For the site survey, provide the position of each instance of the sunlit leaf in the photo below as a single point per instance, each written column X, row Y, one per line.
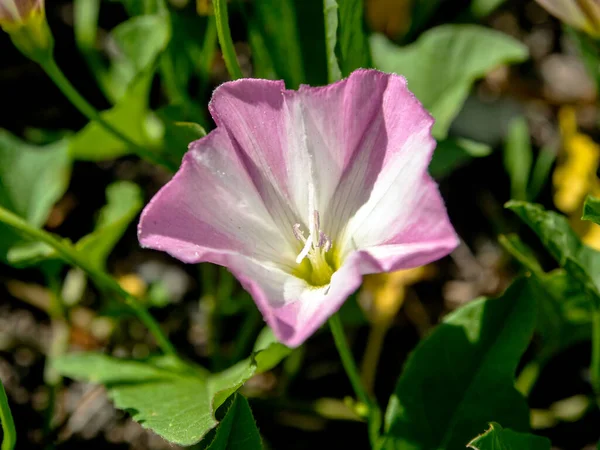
column 330, row 12
column 95, row 143
column 178, row 402
column 138, row 41
column 462, row 53
column 461, row 376
column 352, row 43
column 498, row 438
column 581, row 262
column 32, row 179
column 124, row 201
column 591, row 210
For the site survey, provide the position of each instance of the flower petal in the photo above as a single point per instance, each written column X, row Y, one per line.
column 386, row 196
column 249, row 111
column 291, row 307
column 211, row 205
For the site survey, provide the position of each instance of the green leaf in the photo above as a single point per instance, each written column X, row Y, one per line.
column 523, row 254
column 581, row 262
column 591, row 209
column 462, row 376
column 541, row 170
column 451, row 153
column 177, row 402
column 483, row 8
column 463, row 53
column 330, row 12
column 32, row 179
column 9, row 439
column 275, row 26
column 518, row 157
column 237, row 430
column 174, row 404
column 564, row 313
column 95, row 143
column 352, row 43
column 124, row 201
column 498, row 438
column 563, row 309
column 177, row 133
column 85, row 23
column 139, row 41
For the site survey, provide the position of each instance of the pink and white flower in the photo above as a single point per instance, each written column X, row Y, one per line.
column 301, row 193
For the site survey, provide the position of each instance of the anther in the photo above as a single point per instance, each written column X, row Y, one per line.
column 298, row 232
column 324, row 242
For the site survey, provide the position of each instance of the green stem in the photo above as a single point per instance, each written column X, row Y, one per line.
column 225, row 41
column 330, row 13
column 207, row 53
column 63, row 83
column 374, row 415
column 595, row 365
column 102, row 279
column 8, row 424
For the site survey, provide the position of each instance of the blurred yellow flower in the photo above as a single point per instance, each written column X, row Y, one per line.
column 382, row 294
column 133, row 284
column 581, row 14
column 381, row 297
column 575, row 176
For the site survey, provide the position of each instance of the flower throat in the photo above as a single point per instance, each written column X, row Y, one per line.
column 316, row 245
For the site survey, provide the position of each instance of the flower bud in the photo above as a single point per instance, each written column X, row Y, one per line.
column 581, row 14
column 25, row 22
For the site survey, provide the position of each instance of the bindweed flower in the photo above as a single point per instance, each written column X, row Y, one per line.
column 301, row 193
column 25, row 22
column 581, row 14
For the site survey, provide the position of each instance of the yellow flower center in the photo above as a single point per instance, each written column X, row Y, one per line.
column 318, row 272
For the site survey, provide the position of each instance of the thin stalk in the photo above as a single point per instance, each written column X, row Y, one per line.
column 595, row 365
column 207, row 53
column 225, row 41
column 368, row 367
column 374, row 415
column 63, row 83
column 102, row 279
column 8, row 424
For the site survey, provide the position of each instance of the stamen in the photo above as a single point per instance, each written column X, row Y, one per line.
column 316, row 240
column 324, row 242
column 305, row 251
column 298, row 233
